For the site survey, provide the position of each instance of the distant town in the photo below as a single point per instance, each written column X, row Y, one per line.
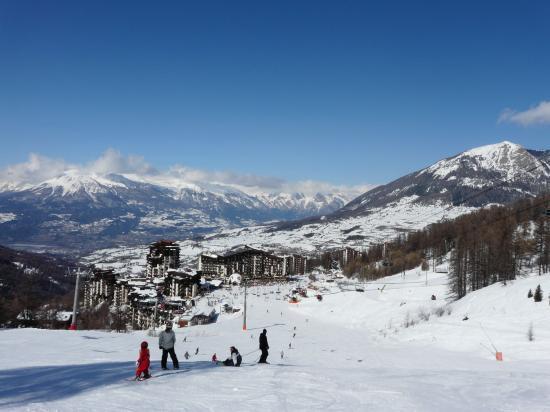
column 166, row 291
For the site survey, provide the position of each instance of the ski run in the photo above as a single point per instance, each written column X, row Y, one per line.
column 389, row 347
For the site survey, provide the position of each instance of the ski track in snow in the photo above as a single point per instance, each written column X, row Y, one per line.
column 351, row 352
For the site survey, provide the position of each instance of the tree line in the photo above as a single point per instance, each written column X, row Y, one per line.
column 493, row 244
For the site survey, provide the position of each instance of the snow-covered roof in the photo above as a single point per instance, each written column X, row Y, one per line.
column 145, row 292
column 137, row 283
column 63, row 316
column 235, row 278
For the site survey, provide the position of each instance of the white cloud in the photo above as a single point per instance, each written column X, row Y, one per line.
column 39, row 168
column 112, row 161
column 311, row 187
column 191, row 175
column 36, row 169
column 539, row 114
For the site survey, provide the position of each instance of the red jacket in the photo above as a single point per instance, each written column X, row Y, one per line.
column 143, row 361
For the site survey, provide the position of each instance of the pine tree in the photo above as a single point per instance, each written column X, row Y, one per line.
column 538, row 294
column 530, row 294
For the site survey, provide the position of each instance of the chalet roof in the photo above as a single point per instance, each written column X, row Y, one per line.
column 165, row 244
column 150, row 292
column 176, row 272
column 103, row 273
column 210, row 255
column 242, row 249
column 137, row 283
column 215, row 282
column 174, row 299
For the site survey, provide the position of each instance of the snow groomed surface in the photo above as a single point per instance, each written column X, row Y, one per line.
column 352, row 351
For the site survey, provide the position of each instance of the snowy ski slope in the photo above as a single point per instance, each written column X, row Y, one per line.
column 351, row 352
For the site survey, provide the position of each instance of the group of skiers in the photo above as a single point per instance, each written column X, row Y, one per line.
column 167, row 340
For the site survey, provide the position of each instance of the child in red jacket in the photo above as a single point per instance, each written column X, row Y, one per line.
column 143, row 362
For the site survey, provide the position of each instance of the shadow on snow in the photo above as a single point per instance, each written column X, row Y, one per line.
column 51, row 383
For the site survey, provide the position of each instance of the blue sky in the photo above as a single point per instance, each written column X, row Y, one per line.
column 344, row 92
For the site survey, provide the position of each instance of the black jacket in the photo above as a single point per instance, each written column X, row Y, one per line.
column 263, row 342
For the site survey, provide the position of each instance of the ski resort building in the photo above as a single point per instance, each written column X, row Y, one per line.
column 212, row 265
column 100, row 287
column 182, row 284
column 163, row 256
column 346, row 255
column 294, row 265
column 250, row 263
column 148, row 300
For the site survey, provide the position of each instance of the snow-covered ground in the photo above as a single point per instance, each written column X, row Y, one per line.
column 380, row 225
column 351, row 351
column 7, row 217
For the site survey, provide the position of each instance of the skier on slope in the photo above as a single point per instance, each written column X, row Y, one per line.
column 264, row 346
column 143, row 362
column 167, row 340
column 235, row 358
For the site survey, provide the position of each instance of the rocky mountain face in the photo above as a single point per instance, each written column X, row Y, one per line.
column 86, row 211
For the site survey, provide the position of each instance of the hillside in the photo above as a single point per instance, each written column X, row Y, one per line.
column 442, row 363
column 29, row 280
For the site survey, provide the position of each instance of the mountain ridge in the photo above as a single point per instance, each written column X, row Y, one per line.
column 91, row 210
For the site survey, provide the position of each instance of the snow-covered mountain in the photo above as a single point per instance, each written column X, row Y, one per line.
column 90, row 210
column 515, row 171
column 493, row 174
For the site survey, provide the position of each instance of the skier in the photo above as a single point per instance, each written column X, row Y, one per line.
column 235, row 359
column 143, row 362
column 167, row 340
column 264, row 346
column 282, row 354
column 197, row 351
column 214, row 358
column 186, row 356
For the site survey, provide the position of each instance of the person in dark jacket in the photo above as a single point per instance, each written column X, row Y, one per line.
column 264, row 346
column 235, row 359
column 167, row 340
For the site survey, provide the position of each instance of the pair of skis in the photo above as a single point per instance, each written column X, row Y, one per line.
column 136, row 379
